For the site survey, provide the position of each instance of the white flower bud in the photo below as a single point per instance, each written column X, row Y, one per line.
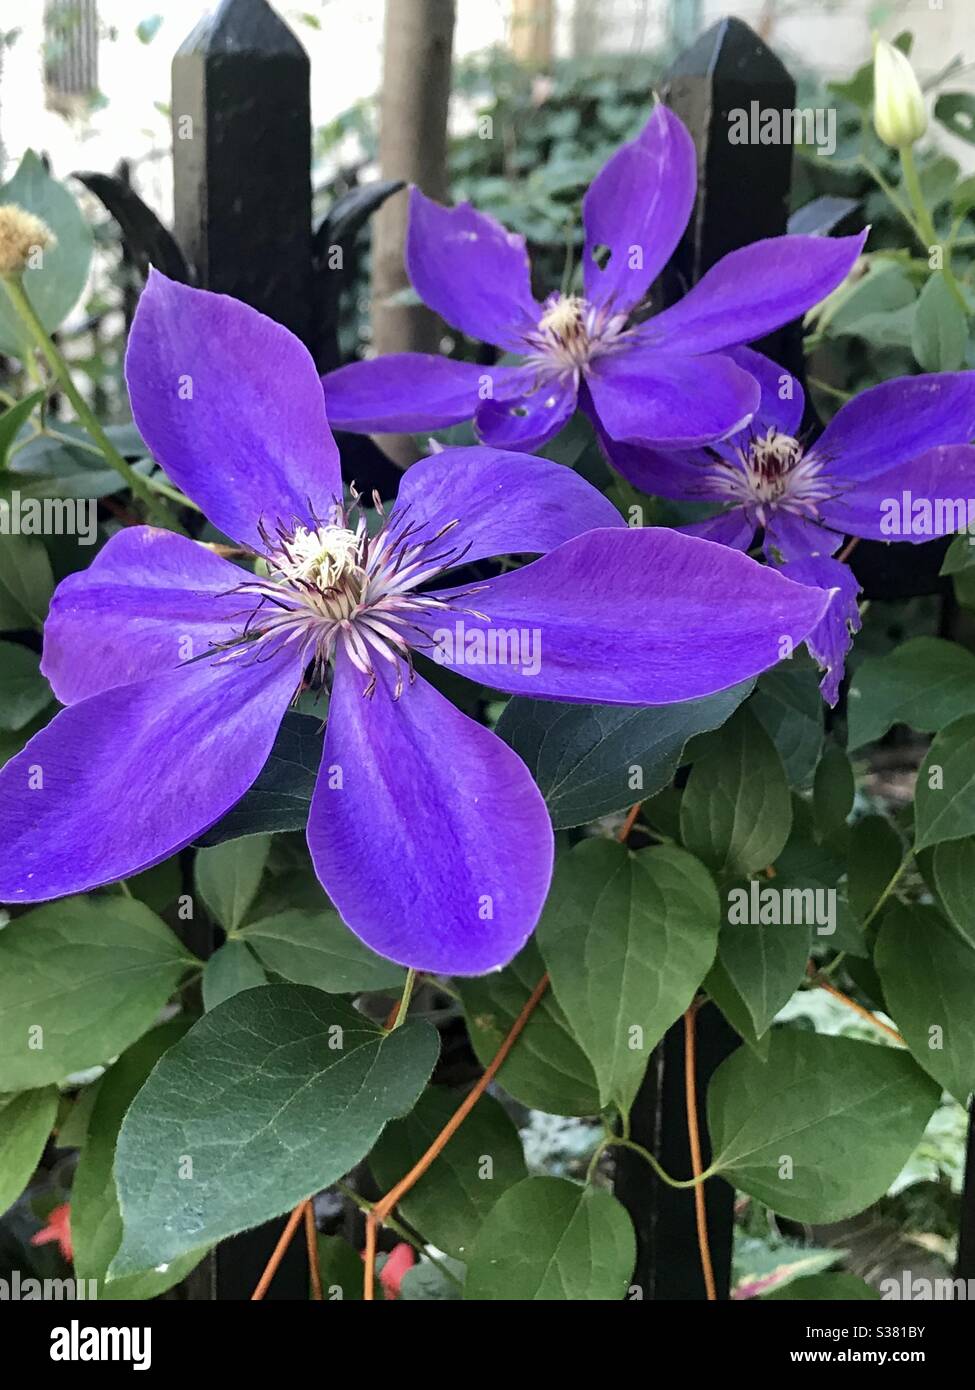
column 899, row 116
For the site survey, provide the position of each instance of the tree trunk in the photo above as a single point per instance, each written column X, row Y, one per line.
column 412, row 146
column 532, row 29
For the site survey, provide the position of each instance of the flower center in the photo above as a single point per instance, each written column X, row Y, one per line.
column 773, row 470
column 769, row 463
column 572, row 332
column 334, row 585
column 329, row 560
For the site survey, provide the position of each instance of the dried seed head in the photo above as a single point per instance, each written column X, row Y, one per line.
column 22, row 237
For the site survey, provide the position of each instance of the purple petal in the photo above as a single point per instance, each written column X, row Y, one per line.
column 637, row 207
column 503, row 503
column 931, row 495
column 795, row 537
column 830, row 639
column 894, row 422
column 123, row 780
column 753, row 290
column 149, row 601
column 682, row 475
column 408, row 392
column 528, row 413
column 783, row 399
column 427, row 831
column 643, row 617
column 231, row 405
column 646, row 396
column 472, row 271
column 734, row 528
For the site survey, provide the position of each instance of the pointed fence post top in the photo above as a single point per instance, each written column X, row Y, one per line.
column 242, row 140
column 243, row 26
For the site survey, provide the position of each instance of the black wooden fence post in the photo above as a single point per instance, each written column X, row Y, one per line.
column 242, row 160
column 743, row 196
column 241, row 118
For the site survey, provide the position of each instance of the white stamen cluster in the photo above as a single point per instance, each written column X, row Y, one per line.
column 334, row 585
column 572, row 333
column 774, row 470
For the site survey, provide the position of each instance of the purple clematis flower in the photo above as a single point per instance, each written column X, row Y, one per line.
column 665, row 380
column 177, row 666
column 893, row 464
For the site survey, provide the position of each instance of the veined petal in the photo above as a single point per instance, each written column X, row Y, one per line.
column 123, row 780
column 637, row 208
column 409, row 392
column 503, row 503
column 527, row 412
column 681, row 474
column 931, row 495
column 149, row 601
column 427, row 831
column 650, row 397
column 831, row 638
column 472, row 271
column 753, row 290
column 892, row 423
column 629, row 617
column 733, row 528
column 231, row 405
column 782, row 400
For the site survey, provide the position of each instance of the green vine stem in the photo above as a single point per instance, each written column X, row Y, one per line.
column 27, row 314
column 925, row 225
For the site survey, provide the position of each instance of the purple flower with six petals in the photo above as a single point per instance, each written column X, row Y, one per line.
column 177, row 666
column 905, row 440
column 665, row 380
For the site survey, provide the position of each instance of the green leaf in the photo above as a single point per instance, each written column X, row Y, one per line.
column 54, row 287
column 736, row 812
column 763, row 964
column 789, row 707
column 944, row 797
column 875, row 852
column 96, row 1222
column 52, row 466
column 591, row 760
column 549, row 1239
column 23, row 690
column 280, row 798
column 274, row 1095
column 928, row 978
column 956, row 111
column 836, row 1286
column 883, row 292
column 80, row 979
column 228, row 876
column 229, row 970
column 627, row 939
column 820, row 1130
column 547, row 1070
column 317, row 948
column 14, row 417
column 26, row 582
column 954, row 874
column 926, row 683
column 833, row 792
column 26, row 1120
column 341, row 1269
column 940, row 334
column 483, row 1159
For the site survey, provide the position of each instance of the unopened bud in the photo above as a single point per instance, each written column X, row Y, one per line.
column 899, row 116
column 23, row 237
